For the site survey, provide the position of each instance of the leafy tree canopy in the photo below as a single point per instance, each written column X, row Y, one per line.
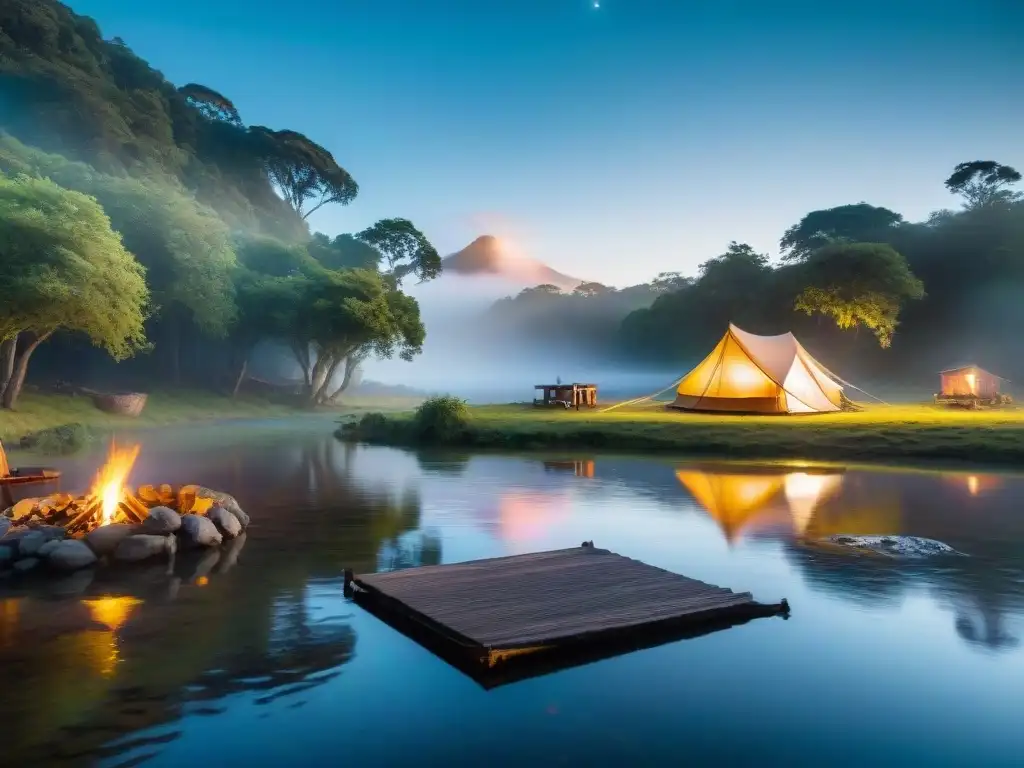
column 983, row 182
column 859, row 284
column 847, row 223
column 62, row 267
column 303, row 171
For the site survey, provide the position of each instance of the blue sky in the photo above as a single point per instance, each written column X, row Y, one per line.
column 618, row 142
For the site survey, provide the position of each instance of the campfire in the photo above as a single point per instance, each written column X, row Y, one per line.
column 111, row 501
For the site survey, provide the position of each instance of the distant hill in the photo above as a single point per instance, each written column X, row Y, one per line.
column 487, row 256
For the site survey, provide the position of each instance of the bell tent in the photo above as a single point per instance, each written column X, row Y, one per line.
column 759, row 374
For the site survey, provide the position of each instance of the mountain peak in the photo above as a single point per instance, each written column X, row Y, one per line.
column 488, row 255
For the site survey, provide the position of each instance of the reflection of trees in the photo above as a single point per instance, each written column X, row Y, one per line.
column 870, row 582
column 189, row 636
column 410, row 551
column 981, row 589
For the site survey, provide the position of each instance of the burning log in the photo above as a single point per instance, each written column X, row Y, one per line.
column 80, row 522
column 133, row 509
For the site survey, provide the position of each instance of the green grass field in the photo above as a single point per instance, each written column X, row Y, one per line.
column 876, row 434
column 37, row 412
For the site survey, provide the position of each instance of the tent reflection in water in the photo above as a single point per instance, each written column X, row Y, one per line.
column 741, row 499
column 759, row 374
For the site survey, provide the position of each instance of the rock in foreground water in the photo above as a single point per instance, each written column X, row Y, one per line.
column 104, row 540
column 142, row 546
column 198, row 531
column 227, row 523
column 71, row 555
column 162, row 520
column 904, row 547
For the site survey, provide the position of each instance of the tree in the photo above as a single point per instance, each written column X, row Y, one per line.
column 266, row 310
column 211, row 105
column 858, row 284
column 668, row 282
column 847, row 223
column 187, row 252
column 342, row 317
column 589, row 290
column 983, row 182
column 62, row 267
column 739, row 269
column 404, row 249
column 303, row 171
column 344, row 252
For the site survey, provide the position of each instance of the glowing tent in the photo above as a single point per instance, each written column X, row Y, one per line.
column 758, row 374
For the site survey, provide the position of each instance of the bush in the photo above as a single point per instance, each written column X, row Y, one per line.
column 441, row 419
column 67, row 438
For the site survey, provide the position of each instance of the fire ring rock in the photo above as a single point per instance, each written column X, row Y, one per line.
column 221, row 499
column 199, row 531
column 142, row 546
column 227, row 523
column 104, row 540
column 48, row 547
column 26, row 564
column 70, row 555
column 31, row 543
column 161, row 520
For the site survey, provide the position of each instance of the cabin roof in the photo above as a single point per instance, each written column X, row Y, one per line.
column 971, row 366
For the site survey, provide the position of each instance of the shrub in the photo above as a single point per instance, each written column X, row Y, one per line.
column 441, row 419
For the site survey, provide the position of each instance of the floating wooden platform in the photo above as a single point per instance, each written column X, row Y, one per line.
column 558, row 609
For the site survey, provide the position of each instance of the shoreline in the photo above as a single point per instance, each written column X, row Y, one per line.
column 903, row 434
column 40, row 413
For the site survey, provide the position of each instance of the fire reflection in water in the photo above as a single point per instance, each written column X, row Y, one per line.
column 112, row 613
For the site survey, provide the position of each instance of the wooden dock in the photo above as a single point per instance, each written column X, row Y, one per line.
column 569, row 606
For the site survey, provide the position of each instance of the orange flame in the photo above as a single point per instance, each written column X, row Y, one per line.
column 110, row 480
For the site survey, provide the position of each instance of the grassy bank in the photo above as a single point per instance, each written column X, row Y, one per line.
column 38, row 412
column 877, row 434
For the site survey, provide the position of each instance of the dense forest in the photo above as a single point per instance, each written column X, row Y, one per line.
column 868, row 291
column 147, row 223
column 150, row 222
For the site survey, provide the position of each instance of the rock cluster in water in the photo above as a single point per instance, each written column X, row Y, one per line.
column 908, row 547
column 37, row 547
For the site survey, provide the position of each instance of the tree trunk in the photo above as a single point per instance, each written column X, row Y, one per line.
column 352, row 362
column 320, row 397
column 241, row 376
column 14, row 386
column 8, row 348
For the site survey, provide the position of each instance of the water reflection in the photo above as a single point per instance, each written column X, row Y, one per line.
column 101, row 656
column 742, row 500
column 124, row 668
column 799, row 507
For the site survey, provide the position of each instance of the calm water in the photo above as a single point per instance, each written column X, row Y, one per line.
column 259, row 660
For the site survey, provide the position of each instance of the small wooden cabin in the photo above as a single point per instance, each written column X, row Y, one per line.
column 567, row 395
column 969, row 381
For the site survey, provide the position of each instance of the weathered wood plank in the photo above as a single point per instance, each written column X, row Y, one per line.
column 544, row 598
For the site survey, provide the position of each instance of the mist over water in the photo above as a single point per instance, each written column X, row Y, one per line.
column 467, row 354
